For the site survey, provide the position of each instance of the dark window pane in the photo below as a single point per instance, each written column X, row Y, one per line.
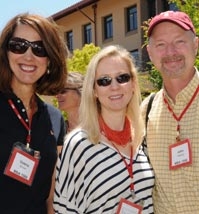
column 69, row 40
column 87, row 34
column 131, row 18
column 108, row 27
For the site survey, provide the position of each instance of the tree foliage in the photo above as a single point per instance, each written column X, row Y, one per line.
column 80, row 59
column 191, row 7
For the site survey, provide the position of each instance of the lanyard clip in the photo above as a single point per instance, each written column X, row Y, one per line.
column 178, row 133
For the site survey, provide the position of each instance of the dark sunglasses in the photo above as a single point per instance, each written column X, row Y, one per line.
column 65, row 90
column 105, row 81
column 20, row 46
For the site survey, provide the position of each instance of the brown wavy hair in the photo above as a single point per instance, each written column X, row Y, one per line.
column 57, row 53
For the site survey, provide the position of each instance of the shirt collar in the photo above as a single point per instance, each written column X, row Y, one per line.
column 188, row 91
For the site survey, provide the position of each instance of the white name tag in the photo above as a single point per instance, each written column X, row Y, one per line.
column 128, row 207
column 21, row 166
column 180, row 154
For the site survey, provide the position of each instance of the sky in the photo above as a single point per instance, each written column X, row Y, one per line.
column 10, row 8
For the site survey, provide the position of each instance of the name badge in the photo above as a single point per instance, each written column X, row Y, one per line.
column 180, row 154
column 22, row 164
column 128, row 207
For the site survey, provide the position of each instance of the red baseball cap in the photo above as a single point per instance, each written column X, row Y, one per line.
column 177, row 17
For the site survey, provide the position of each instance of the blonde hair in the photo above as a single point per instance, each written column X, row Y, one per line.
column 90, row 108
column 75, row 80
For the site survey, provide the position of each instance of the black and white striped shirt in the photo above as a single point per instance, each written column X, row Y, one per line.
column 93, row 178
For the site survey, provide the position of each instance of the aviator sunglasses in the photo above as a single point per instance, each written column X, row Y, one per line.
column 105, row 81
column 20, row 46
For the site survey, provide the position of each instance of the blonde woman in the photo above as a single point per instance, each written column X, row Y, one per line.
column 102, row 168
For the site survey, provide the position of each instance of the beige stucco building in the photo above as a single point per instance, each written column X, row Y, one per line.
column 106, row 22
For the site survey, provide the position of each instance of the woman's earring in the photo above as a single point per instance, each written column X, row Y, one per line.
column 48, row 71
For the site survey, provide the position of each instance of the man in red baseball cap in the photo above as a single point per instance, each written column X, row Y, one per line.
column 173, row 124
column 177, row 17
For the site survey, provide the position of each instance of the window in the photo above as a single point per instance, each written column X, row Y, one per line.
column 135, row 55
column 87, row 31
column 131, row 16
column 69, row 40
column 108, row 27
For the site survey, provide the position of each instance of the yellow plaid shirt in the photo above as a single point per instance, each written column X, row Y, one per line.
column 176, row 191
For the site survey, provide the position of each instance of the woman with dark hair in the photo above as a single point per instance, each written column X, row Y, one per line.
column 32, row 63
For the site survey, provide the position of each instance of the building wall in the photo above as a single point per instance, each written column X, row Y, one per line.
column 76, row 20
column 131, row 41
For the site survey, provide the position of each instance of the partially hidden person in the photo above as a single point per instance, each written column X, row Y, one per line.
column 69, row 98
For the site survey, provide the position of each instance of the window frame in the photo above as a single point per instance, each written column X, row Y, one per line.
column 108, row 27
column 87, row 33
column 69, row 40
column 131, row 18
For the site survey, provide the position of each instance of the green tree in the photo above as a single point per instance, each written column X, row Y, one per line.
column 81, row 58
column 191, row 7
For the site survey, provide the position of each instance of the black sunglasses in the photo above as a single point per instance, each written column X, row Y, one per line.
column 65, row 90
column 105, row 81
column 20, row 46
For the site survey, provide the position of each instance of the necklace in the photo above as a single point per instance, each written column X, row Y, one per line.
column 120, row 138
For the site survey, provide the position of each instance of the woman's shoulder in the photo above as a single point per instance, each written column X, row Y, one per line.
column 78, row 131
column 76, row 142
column 141, row 152
column 76, row 136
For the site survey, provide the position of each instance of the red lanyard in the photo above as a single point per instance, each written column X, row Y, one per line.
column 184, row 110
column 28, row 139
column 129, row 167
